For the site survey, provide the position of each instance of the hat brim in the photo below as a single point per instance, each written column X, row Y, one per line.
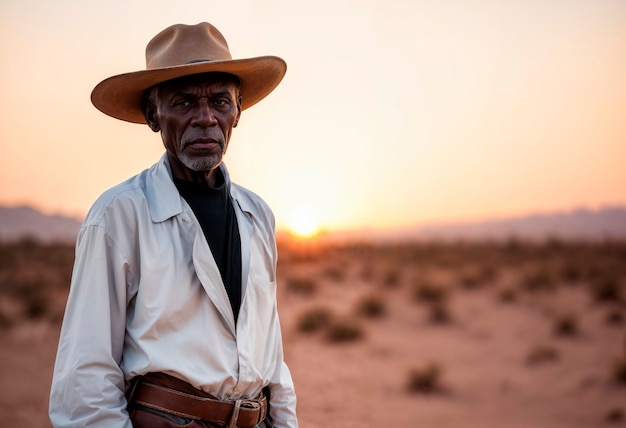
column 120, row 96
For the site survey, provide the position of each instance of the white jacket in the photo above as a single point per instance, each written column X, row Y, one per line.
column 147, row 296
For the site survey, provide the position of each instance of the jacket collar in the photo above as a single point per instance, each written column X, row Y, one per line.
column 164, row 200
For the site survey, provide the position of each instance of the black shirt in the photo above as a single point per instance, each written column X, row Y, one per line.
column 215, row 213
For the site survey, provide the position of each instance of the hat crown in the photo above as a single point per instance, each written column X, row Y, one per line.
column 186, row 44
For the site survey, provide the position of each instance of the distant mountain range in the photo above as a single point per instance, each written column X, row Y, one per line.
column 577, row 225
column 26, row 222
column 581, row 224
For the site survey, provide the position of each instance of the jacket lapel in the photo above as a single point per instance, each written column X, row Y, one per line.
column 246, row 227
column 209, row 275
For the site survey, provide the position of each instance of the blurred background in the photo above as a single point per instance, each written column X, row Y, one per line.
column 447, row 177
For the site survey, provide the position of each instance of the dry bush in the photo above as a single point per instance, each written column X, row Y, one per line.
column 614, row 316
column 391, row 278
column 571, row 271
column 614, row 415
column 567, row 325
column 539, row 279
column 314, row 319
column 31, row 275
column 470, row 280
column 7, row 257
column 477, row 276
column 425, row 380
column 335, row 272
column 619, row 367
column 542, row 354
column 428, row 292
column 619, row 370
column 301, row 286
column 31, row 295
column 607, row 288
column 344, row 330
column 507, row 295
column 5, row 321
column 439, row 313
column 606, row 267
column 371, row 306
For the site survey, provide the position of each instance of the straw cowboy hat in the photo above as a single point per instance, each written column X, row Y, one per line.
column 182, row 50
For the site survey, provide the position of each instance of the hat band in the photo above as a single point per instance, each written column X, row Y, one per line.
column 200, row 60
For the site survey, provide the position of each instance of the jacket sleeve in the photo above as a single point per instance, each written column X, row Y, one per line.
column 282, row 390
column 283, row 399
column 88, row 385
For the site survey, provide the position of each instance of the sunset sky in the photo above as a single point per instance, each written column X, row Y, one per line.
column 392, row 113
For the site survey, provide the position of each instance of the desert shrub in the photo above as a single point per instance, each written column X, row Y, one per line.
column 614, row 414
column 425, row 380
column 49, row 264
column 344, row 330
column 470, row 280
column 302, row 286
column 614, row 316
column 391, row 278
column 7, row 257
column 619, row 370
column 567, row 325
column 439, row 313
column 428, row 292
column 30, row 293
column 542, row 354
column 507, row 295
column 5, row 321
column 539, row 279
column 30, row 274
column 606, row 289
column 335, row 273
column 477, row 276
column 371, row 306
column 314, row 319
column 571, row 272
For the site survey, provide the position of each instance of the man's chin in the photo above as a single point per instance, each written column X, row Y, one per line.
column 202, row 165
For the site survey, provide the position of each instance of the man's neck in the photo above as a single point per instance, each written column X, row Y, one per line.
column 180, row 171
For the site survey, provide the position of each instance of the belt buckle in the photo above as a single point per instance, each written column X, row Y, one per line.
column 254, row 404
column 248, row 405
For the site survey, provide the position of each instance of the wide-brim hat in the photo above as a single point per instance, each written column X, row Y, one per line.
column 183, row 50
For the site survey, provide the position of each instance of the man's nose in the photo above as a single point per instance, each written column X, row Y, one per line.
column 204, row 115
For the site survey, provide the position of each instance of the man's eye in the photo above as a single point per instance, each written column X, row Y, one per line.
column 221, row 102
column 182, row 103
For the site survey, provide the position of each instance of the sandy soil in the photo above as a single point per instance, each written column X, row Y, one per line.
column 484, row 352
column 488, row 376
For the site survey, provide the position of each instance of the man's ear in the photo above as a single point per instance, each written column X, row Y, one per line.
column 238, row 112
column 150, row 113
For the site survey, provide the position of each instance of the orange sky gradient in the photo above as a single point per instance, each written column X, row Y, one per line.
column 392, row 114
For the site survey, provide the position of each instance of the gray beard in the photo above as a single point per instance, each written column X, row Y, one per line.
column 204, row 164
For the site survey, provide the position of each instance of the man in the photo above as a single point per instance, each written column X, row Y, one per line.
column 171, row 318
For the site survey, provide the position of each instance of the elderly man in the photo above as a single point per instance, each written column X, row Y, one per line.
column 171, row 319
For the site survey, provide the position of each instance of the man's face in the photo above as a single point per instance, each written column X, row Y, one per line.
column 196, row 116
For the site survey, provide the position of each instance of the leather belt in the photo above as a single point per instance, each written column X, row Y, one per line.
column 245, row 413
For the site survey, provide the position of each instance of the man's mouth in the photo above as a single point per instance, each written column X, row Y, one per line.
column 203, row 144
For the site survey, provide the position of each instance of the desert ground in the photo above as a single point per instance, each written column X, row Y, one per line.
column 504, row 335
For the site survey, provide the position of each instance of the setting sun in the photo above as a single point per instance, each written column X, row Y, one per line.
column 304, row 226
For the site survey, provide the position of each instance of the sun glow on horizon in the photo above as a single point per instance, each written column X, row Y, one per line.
column 303, row 226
